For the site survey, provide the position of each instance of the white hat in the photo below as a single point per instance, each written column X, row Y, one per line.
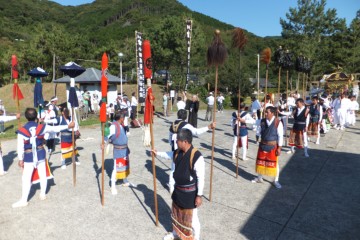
column 211, row 93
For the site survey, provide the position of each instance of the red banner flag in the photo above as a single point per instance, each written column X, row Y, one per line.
column 15, row 74
column 147, row 59
column 104, row 87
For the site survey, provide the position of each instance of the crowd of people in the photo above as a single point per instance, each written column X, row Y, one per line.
column 311, row 117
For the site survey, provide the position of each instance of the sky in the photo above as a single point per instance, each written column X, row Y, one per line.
column 261, row 17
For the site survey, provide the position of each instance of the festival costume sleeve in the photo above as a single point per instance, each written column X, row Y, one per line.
column 199, row 168
column 286, row 113
column 55, row 129
column 20, row 147
column 249, row 119
column 307, row 120
column 321, row 114
column 258, row 128
column 112, row 131
column 196, row 131
column 280, row 132
column 51, row 121
column 7, row 118
column 165, row 155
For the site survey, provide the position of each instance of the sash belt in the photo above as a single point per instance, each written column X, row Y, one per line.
column 120, row 146
column 30, row 150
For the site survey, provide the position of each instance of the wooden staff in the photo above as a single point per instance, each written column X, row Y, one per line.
column 102, row 162
column 238, row 41
column 216, row 55
column 154, row 167
column 303, row 82
column 73, row 150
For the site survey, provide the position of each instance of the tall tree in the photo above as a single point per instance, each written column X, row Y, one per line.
column 309, row 28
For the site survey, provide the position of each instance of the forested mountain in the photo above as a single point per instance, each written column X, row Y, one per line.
column 36, row 30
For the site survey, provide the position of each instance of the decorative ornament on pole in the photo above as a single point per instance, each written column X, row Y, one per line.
column 38, row 73
column 73, row 70
column 104, row 87
column 147, row 59
column 17, row 94
column 238, row 41
column 121, row 56
column 216, row 55
column 266, row 58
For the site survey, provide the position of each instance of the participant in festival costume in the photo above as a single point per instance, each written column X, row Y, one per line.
column 255, row 107
column 298, row 135
column 315, row 119
column 66, row 142
column 271, row 132
column 239, row 123
column 31, row 153
column 282, row 107
column 341, row 106
column 118, row 138
column 186, row 187
column 50, row 137
column 134, row 103
column 193, row 107
column 181, row 123
column 326, row 112
column 210, row 105
column 55, row 107
column 5, row 119
column 354, row 106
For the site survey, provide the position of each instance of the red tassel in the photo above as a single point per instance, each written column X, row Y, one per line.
column 147, row 59
column 14, row 63
column 104, row 87
column 17, row 92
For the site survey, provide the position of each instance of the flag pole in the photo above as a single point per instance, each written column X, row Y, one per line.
column 216, row 55
column 154, row 168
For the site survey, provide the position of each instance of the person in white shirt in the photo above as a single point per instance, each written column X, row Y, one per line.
column 5, row 119
column 255, row 107
column 238, row 124
column 341, row 106
column 181, row 102
column 134, row 103
column 291, row 102
column 95, row 103
column 220, row 100
column 2, row 113
column 186, row 185
column 210, row 106
column 354, row 106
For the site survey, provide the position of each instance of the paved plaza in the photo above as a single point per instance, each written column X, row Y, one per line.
column 319, row 198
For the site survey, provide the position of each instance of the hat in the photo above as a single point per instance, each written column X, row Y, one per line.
column 54, row 98
column 211, row 93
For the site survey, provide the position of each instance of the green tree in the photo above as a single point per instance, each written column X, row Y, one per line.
column 312, row 31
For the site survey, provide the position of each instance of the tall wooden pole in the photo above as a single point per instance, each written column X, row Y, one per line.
column 154, row 167
column 237, row 124
column 213, row 134
column 102, row 163
column 73, row 148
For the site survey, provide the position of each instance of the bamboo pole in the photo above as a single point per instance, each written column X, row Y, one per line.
column 154, row 167
column 213, row 134
column 102, row 162
column 237, row 124
column 73, row 150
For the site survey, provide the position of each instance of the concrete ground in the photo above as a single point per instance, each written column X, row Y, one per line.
column 319, row 198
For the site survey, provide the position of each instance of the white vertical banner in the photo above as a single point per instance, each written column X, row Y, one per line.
column 140, row 67
column 188, row 45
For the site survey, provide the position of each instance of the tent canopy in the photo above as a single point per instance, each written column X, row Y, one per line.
column 91, row 75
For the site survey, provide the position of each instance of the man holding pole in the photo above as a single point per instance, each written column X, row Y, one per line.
column 117, row 137
column 186, row 187
column 271, row 132
column 32, row 154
